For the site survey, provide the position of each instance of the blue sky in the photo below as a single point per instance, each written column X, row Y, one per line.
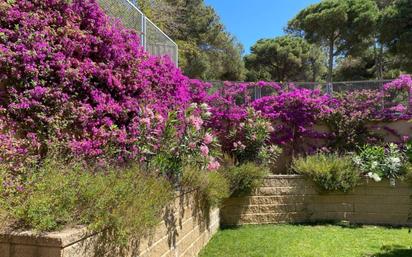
column 251, row 20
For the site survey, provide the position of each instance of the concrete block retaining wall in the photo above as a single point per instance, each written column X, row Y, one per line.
column 186, row 228
column 295, row 199
column 183, row 232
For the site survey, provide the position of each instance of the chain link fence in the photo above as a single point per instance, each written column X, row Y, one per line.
column 153, row 39
column 344, row 86
column 256, row 92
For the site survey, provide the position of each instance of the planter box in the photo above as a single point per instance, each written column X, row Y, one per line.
column 183, row 232
column 296, row 199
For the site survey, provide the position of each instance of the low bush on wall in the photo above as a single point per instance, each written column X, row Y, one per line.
column 329, row 171
column 212, row 187
column 244, row 178
column 123, row 201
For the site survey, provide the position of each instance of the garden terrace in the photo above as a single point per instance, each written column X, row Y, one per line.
column 97, row 137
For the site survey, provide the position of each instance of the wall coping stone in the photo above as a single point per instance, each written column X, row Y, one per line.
column 60, row 239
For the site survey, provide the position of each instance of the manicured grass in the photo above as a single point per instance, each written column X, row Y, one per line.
column 310, row 241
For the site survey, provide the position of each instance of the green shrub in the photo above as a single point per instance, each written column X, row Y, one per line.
column 408, row 151
column 212, row 187
column 244, row 178
column 121, row 201
column 331, row 172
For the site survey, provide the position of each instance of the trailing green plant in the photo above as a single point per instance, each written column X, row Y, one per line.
column 408, row 151
column 379, row 162
column 121, row 201
column 244, row 178
column 212, row 187
column 330, row 171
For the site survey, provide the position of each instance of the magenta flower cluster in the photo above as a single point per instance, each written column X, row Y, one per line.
column 395, row 90
column 72, row 74
column 295, row 112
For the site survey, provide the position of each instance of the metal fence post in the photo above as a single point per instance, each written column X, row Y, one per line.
column 144, row 32
column 329, row 88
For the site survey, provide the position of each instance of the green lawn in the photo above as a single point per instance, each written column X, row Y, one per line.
column 310, row 241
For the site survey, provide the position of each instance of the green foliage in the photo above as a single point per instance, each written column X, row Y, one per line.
column 126, row 203
column 206, row 50
column 396, row 31
column 408, row 151
column 212, row 187
column 331, row 172
column 244, row 178
column 285, row 58
column 268, row 155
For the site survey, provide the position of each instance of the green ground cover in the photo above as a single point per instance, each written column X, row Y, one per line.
column 310, row 241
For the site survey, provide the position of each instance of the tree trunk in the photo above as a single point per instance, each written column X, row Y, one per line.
column 331, row 50
column 380, row 71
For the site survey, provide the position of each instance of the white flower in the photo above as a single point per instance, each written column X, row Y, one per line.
column 204, row 106
column 207, row 114
column 395, row 160
column 193, row 105
column 374, row 176
column 357, row 160
column 374, row 164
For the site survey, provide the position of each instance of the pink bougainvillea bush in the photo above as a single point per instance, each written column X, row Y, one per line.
column 295, row 112
column 398, row 93
column 72, row 74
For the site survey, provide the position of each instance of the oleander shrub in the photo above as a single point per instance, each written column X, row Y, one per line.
column 243, row 179
column 251, row 140
column 379, row 162
column 121, row 200
column 330, row 171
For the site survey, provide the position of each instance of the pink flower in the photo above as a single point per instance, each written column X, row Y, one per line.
column 239, row 146
column 204, row 150
column 159, row 118
column 196, row 121
column 146, row 121
column 208, row 139
column 192, row 145
column 213, row 164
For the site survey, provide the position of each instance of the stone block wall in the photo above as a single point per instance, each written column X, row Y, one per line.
column 185, row 229
column 295, row 199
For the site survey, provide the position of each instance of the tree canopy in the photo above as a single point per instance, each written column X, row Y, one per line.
column 285, row 58
column 357, row 39
column 206, row 50
column 342, row 26
column 397, row 31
